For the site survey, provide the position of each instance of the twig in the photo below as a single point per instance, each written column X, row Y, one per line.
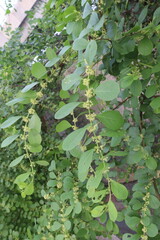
column 156, row 188
column 121, row 103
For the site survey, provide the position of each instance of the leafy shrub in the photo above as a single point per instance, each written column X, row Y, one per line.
column 71, row 142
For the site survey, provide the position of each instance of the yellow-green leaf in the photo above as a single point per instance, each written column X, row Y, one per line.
column 113, row 214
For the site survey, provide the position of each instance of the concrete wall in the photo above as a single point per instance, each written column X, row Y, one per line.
column 18, row 18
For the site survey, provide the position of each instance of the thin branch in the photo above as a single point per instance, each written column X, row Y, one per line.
column 156, row 188
column 121, row 103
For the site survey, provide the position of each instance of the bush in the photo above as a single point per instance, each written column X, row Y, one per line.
column 80, row 110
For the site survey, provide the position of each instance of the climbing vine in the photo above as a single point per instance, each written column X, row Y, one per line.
column 80, row 123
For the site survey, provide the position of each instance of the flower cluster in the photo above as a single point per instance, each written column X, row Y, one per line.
column 144, row 209
column 75, row 193
column 91, row 117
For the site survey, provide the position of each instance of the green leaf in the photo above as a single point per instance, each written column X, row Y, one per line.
column 56, row 226
column 111, row 119
column 108, row 90
column 83, row 2
column 70, row 80
column 117, row 153
column 145, row 46
column 67, row 183
column 27, row 96
column 80, row 44
column 126, row 81
column 16, row 161
column 111, row 29
column 156, row 68
column 87, row 10
column 66, row 110
column 154, row 202
column 132, row 222
column 98, row 211
column 146, row 221
column 84, row 164
column 35, row 148
column 38, row 70
column 113, row 214
column 134, row 156
column 50, row 53
column 109, row 225
column 9, row 122
column 156, row 16
column 151, row 163
column 64, row 94
column 93, row 182
column 136, row 88
column 73, row 139
column 155, row 104
column 35, row 123
column 152, row 230
column 98, row 26
column 21, row 178
column 78, row 208
column 14, row 101
column 68, row 210
column 55, row 206
column 128, row 236
column 28, row 87
column 67, row 224
column 150, row 91
column 91, row 52
column 9, row 140
column 34, row 137
column 93, row 20
column 143, row 15
column 76, row 152
column 52, row 62
column 119, row 190
column 59, row 237
column 84, row 32
column 29, row 189
column 98, row 196
column 111, row 133
column 64, row 50
column 62, row 126
column 42, row 163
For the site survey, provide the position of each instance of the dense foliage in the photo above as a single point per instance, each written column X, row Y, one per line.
column 80, row 109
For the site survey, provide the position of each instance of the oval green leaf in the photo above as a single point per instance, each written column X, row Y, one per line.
column 145, row 46
column 28, row 87
column 42, row 163
column 108, row 90
column 10, row 121
column 80, row 44
column 119, row 190
column 84, row 164
column 66, row 110
column 73, row 139
column 16, row 161
column 91, row 52
column 9, row 140
column 63, row 125
column 98, row 211
column 70, row 80
column 38, row 70
column 113, row 214
column 111, row 119
column 35, row 123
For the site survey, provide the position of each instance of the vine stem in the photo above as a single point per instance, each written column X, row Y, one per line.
column 26, row 149
column 99, row 147
column 156, row 188
column 121, row 103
